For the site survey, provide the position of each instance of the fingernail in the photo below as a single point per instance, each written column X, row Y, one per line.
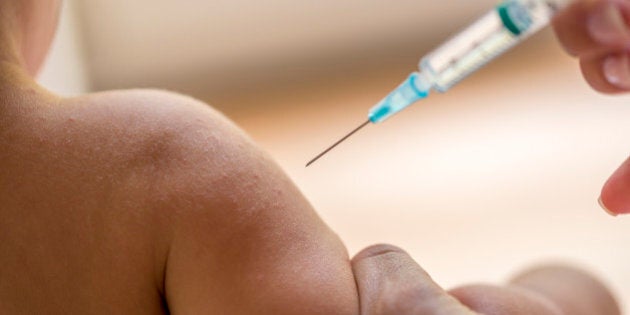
column 608, row 26
column 601, row 204
column 617, row 70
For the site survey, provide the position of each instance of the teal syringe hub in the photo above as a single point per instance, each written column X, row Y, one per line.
column 410, row 91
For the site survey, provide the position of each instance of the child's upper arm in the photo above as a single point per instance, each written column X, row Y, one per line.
column 243, row 240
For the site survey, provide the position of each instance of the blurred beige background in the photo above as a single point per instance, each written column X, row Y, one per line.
column 501, row 172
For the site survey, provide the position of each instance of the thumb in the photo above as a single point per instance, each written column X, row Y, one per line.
column 390, row 282
column 615, row 196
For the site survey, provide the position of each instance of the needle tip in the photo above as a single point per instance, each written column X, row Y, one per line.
column 337, row 143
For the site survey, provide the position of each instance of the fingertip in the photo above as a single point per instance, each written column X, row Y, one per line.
column 607, row 25
column 605, row 208
column 389, row 281
column 574, row 290
column 604, row 77
column 384, row 261
column 615, row 196
column 570, row 28
column 616, row 70
column 378, row 250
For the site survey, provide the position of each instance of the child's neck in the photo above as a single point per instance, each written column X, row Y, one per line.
column 20, row 94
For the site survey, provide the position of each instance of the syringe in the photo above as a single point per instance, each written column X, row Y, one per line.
column 508, row 24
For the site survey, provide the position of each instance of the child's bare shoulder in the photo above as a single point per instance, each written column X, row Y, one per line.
column 147, row 130
column 145, row 114
column 239, row 232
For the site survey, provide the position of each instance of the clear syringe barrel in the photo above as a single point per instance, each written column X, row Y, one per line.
column 508, row 24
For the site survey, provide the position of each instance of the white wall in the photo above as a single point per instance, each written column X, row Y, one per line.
column 65, row 71
column 219, row 42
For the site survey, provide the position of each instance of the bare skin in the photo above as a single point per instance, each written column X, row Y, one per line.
column 133, row 202
column 148, row 202
column 117, row 201
column 390, row 282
